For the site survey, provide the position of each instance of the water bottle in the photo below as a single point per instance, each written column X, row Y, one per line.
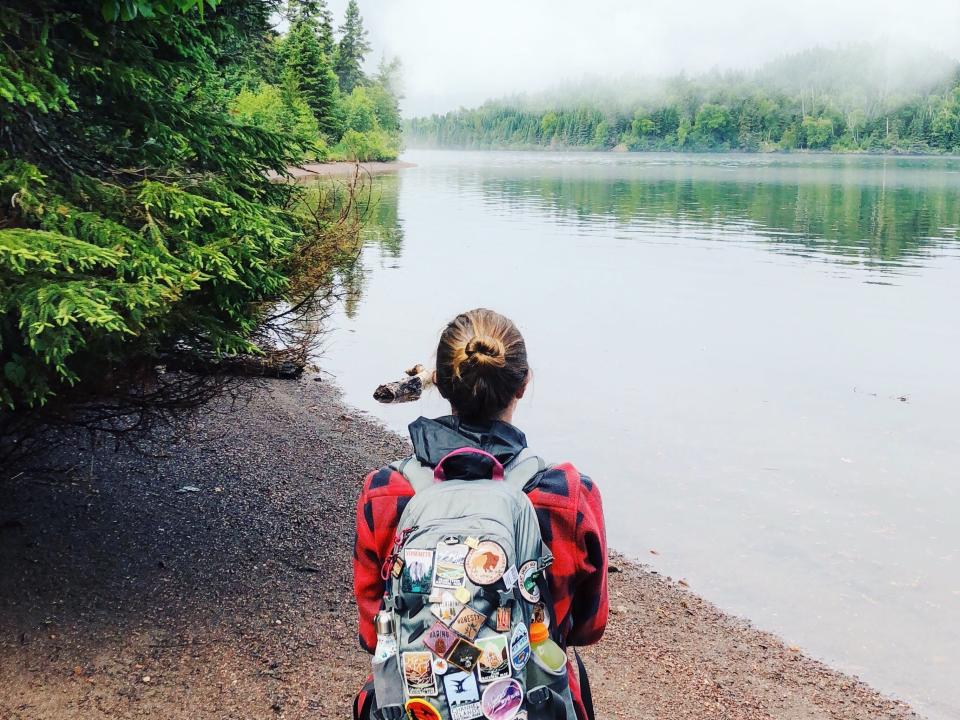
column 547, row 652
column 386, row 640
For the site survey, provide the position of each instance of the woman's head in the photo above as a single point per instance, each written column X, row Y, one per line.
column 481, row 364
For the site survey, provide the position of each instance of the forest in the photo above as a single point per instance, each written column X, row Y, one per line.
column 140, row 232
column 310, row 83
column 856, row 99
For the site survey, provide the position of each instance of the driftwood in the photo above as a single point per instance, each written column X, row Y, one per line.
column 407, row 390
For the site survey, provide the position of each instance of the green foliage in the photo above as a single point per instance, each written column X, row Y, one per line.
column 363, row 146
column 816, row 132
column 820, row 100
column 281, row 111
column 351, row 49
column 359, row 112
column 137, row 222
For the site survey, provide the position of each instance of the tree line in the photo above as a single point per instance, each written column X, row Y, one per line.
column 817, row 100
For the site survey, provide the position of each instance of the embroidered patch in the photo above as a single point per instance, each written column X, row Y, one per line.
column 446, row 608
column 468, row 622
column 418, row 674
column 494, row 660
column 448, row 571
column 417, row 570
column 486, row 563
column 418, row 709
column 439, row 638
column 528, row 581
column 463, row 695
column 464, row 655
column 440, row 666
column 540, row 614
column 502, row 699
column 503, row 619
column 519, row 646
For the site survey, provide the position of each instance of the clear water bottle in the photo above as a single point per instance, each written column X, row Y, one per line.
column 386, row 639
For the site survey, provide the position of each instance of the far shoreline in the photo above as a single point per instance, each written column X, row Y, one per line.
column 679, row 151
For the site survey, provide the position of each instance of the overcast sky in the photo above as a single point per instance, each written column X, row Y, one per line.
column 458, row 53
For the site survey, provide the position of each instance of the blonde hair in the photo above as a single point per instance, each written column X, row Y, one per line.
column 481, row 363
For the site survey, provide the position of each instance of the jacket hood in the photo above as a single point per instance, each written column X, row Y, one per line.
column 432, row 439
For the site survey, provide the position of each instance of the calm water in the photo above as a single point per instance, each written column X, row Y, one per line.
column 756, row 357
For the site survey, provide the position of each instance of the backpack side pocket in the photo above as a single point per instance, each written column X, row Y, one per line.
column 387, row 683
column 548, row 693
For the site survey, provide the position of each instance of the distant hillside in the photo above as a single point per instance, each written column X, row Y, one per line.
column 875, row 98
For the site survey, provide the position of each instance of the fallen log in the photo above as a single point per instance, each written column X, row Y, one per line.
column 407, row 390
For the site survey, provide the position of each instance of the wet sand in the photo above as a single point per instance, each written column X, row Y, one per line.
column 210, row 577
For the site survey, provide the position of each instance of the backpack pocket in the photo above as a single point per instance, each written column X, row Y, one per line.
column 387, row 683
column 548, row 693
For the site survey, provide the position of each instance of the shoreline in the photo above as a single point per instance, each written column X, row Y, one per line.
column 798, row 152
column 341, row 168
column 211, row 577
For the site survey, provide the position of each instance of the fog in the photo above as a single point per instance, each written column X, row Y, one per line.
column 460, row 54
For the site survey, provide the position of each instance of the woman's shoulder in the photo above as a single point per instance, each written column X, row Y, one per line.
column 563, row 480
column 387, row 480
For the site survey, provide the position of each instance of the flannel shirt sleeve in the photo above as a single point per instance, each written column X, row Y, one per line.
column 384, row 496
column 590, row 603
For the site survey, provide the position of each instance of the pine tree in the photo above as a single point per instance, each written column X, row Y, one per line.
column 318, row 15
column 325, row 30
column 351, row 50
column 309, row 65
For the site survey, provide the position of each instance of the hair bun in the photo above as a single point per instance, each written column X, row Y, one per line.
column 484, row 350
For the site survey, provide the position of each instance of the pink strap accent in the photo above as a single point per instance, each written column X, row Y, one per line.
column 439, row 474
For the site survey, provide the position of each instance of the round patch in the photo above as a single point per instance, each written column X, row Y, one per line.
column 502, row 699
column 528, row 581
column 486, row 563
column 420, row 709
column 540, row 614
column 440, row 666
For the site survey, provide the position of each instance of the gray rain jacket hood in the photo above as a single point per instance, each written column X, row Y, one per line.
column 432, row 439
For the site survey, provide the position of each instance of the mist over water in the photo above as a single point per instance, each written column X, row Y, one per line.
column 461, row 55
column 754, row 356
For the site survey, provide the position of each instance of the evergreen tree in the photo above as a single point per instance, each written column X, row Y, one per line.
column 351, row 50
column 310, row 68
column 318, row 15
column 324, row 24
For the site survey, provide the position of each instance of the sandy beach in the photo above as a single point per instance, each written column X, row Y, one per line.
column 209, row 576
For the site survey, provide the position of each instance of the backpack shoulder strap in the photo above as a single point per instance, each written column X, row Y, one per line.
column 517, row 473
column 523, row 468
column 418, row 475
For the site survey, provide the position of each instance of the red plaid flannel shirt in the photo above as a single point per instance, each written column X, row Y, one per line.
column 570, row 510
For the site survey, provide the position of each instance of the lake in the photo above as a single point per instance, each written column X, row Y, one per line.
column 757, row 358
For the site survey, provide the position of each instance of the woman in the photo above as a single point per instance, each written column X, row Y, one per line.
column 482, row 371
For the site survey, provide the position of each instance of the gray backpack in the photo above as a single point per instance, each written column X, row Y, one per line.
column 467, row 576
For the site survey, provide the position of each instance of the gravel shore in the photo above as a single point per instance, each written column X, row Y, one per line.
column 211, row 578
